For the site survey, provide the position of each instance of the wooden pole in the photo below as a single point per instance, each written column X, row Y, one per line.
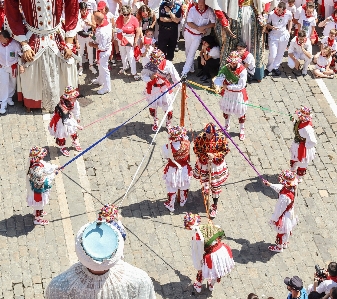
column 183, row 102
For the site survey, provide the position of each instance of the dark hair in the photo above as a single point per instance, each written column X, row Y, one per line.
column 332, row 269
column 83, row 5
column 334, row 293
column 282, row 5
column 149, row 29
column 143, row 8
column 5, row 33
column 301, row 33
column 241, row 44
column 210, row 40
column 252, row 296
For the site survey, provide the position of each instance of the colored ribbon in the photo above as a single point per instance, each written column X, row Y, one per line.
column 225, row 132
column 117, row 128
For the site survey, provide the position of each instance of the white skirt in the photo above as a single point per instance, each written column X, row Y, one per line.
column 163, row 102
column 222, row 264
column 64, row 130
column 30, row 198
column 310, row 153
column 289, row 221
column 233, row 103
column 176, row 178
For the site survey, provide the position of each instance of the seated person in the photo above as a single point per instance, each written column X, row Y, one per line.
column 247, row 58
column 323, row 61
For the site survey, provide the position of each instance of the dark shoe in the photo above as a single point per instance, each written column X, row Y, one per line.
column 118, row 57
column 297, row 73
column 266, row 72
column 277, row 72
column 204, row 78
column 201, row 73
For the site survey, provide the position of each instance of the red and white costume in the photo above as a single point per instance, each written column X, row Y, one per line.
column 39, row 178
column 43, row 30
column 303, row 148
column 327, row 41
column 9, row 55
column 163, row 70
column 284, row 219
column 211, row 258
column 178, row 171
column 234, row 97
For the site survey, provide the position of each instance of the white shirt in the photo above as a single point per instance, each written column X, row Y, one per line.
column 250, row 60
column 82, row 26
column 322, row 62
column 307, row 24
column 194, row 16
column 292, row 9
column 281, row 34
column 295, row 48
column 324, row 42
column 299, row 3
column 330, row 25
column 325, row 286
column 154, row 5
column 104, row 37
column 9, row 55
column 214, row 52
column 300, row 12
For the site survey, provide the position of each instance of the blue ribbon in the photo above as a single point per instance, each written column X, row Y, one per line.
column 116, row 129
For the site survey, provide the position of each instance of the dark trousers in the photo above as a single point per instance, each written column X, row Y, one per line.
column 211, row 67
column 167, row 41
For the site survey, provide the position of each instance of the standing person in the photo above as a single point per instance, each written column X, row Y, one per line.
column 47, row 51
column 104, row 9
column 85, row 24
column 200, row 18
column 147, row 18
column 9, row 56
column 307, row 22
column 103, row 46
column 295, row 288
column 284, row 219
column 128, row 35
column 300, row 49
column 329, row 23
column 211, row 148
column 156, row 75
column 65, row 120
column 278, row 38
column 212, row 258
column 91, row 5
column 101, row 271
column 303, row 149
column 178, row 171
column 169, row 17
column 39, row 182
column 232, row 79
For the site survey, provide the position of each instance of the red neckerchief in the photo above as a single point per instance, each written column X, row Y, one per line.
column 304, row 6
column 334, row 18
column 6, row 44
column 305, row 40
column 281, row 15
column 308, row 16
column 84, row 16
column 331, row 41
column 199, row 11
column 333, row 278
column 105, row 23
column 208, row 49
column 244, row 55
column 304, row 124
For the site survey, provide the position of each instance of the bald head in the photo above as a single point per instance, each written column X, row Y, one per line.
column 98, row 17
column 201, row 5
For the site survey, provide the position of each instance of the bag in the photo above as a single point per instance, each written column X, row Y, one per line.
column 84, row 33
column 137, row 53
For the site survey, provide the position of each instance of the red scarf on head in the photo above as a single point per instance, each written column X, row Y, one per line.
column 199, row 11
column 84, row 16
column 331, row 42
column 305, row 40
column 281, row 15
column 6, row 44
column 334, row 18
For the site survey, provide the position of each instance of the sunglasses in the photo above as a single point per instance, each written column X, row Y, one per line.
column 126, row 14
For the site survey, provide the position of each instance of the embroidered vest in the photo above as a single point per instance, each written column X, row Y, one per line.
column 298, row 138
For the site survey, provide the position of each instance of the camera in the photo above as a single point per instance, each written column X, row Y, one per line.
column 320, row 273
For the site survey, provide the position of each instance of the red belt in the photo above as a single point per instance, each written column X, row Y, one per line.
column 321, row 66
column 188, row 30
column 159, row 85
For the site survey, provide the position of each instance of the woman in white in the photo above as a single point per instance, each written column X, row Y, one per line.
column 329, row 23
column 128, row 33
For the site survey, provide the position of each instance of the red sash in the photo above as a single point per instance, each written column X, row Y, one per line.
column 54, row 121
column 291, row 195
column 302, row 151
column 37, row 197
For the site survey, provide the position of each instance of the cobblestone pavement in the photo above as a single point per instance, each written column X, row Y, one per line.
column 156, row 242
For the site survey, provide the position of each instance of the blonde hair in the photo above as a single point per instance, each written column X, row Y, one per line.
column 328, row 51
column 333, row 31
column 125, row 9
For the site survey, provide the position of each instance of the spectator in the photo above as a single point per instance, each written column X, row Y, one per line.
column 279, row 36
column 333, row 293
column 128, row 35
column 329, row 23
column 104, row 9
column 83, row 37
column 252, row 296
column 154, row 6
column 147, row 19
column 103, row 46
column 300, row 49
column 2, row 14
column 330, row 41
column 295, row 287
column 209, row 59
column 323, row 61
column 91, row 5
column 200, row 18
column 291, row 7
column 248, row 59
column 148, row 44
column 307, row 22
column 169, row 16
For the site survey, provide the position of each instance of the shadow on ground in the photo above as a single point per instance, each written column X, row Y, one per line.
column 17, row 225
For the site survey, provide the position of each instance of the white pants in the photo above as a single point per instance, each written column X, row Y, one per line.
column 8, row 84
column 192, row 43
column 84, row 41
column 127, row 55
column 276, row 52
column 103, row 70
column 300, row 56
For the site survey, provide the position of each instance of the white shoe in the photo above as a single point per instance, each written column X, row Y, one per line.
column 2, row 111
column 10, row 102
column 95, row 81
column 192, row 70
column 103, row 91
column 93, row 70
column 80, row 71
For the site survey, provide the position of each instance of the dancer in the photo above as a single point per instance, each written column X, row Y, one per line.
column 178, row 171
column 39, row 181
column 211, row 258
column 156, row 74
column 283, row 219
column 65, row 120
column 232, row 78
column 303, row 148
column 211, row 148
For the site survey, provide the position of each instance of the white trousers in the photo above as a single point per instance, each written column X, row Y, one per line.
column 103, row 70
column 276, row 52
column 127, row 55
column 84, row 41
column 8, row 84
column 192, row 43
column 300, row 56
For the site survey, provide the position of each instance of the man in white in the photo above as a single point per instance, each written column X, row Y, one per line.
column 104, row 47
column 200, row 18
column 9, row 50
column 300, row 49
column 279, row 36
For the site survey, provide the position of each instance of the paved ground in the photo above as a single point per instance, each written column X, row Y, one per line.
column 156, row 242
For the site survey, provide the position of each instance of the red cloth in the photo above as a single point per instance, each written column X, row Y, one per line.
column 14, row 70
column 302, row 151
column 334, row 18
column 136, row 53
column 37, row 197
column 2, row 16
column 221, row 17
column 54, row 121
column 244, row 55
column 199, row 11
column 279, row 15
column 128, row 28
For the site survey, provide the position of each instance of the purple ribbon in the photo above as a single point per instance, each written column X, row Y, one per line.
column 225, row 132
